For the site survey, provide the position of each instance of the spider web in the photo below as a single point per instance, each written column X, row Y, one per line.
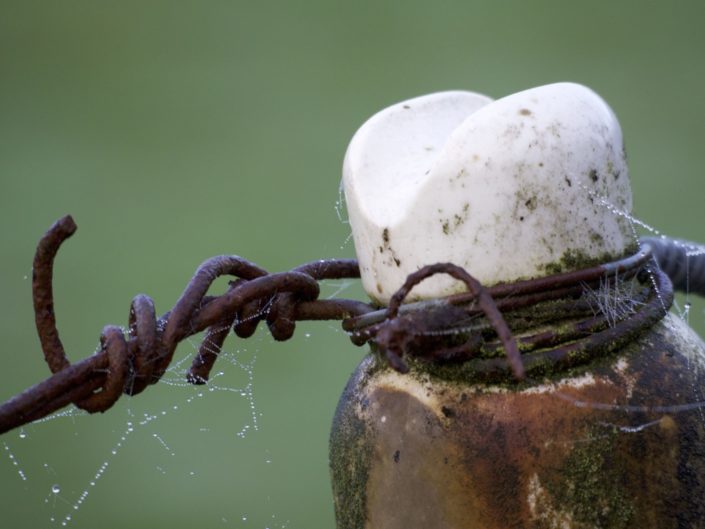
column 70, row 465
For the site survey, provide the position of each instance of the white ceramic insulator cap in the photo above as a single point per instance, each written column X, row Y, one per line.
column 521, row 187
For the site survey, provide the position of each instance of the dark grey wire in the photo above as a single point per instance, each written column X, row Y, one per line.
column 682, row 261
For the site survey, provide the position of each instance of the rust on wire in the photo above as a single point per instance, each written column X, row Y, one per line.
column 43, row 293
column 129, row 364
column 394, row 335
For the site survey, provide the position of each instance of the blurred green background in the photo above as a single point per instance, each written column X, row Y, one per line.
column 174, row 131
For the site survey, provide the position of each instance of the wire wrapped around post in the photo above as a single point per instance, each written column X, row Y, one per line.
column 130, row 363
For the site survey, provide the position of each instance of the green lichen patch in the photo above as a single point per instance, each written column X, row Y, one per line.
column 589, row 484
column 351, row 446
column 577, row 259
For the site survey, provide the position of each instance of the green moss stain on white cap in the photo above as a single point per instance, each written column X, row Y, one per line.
column 509, row 189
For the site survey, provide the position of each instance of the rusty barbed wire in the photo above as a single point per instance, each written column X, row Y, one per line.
column 128, row 364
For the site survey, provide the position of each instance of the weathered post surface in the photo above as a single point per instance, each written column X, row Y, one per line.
column 607, row 429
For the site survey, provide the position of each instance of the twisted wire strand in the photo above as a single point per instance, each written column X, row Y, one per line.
column 129, row 364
